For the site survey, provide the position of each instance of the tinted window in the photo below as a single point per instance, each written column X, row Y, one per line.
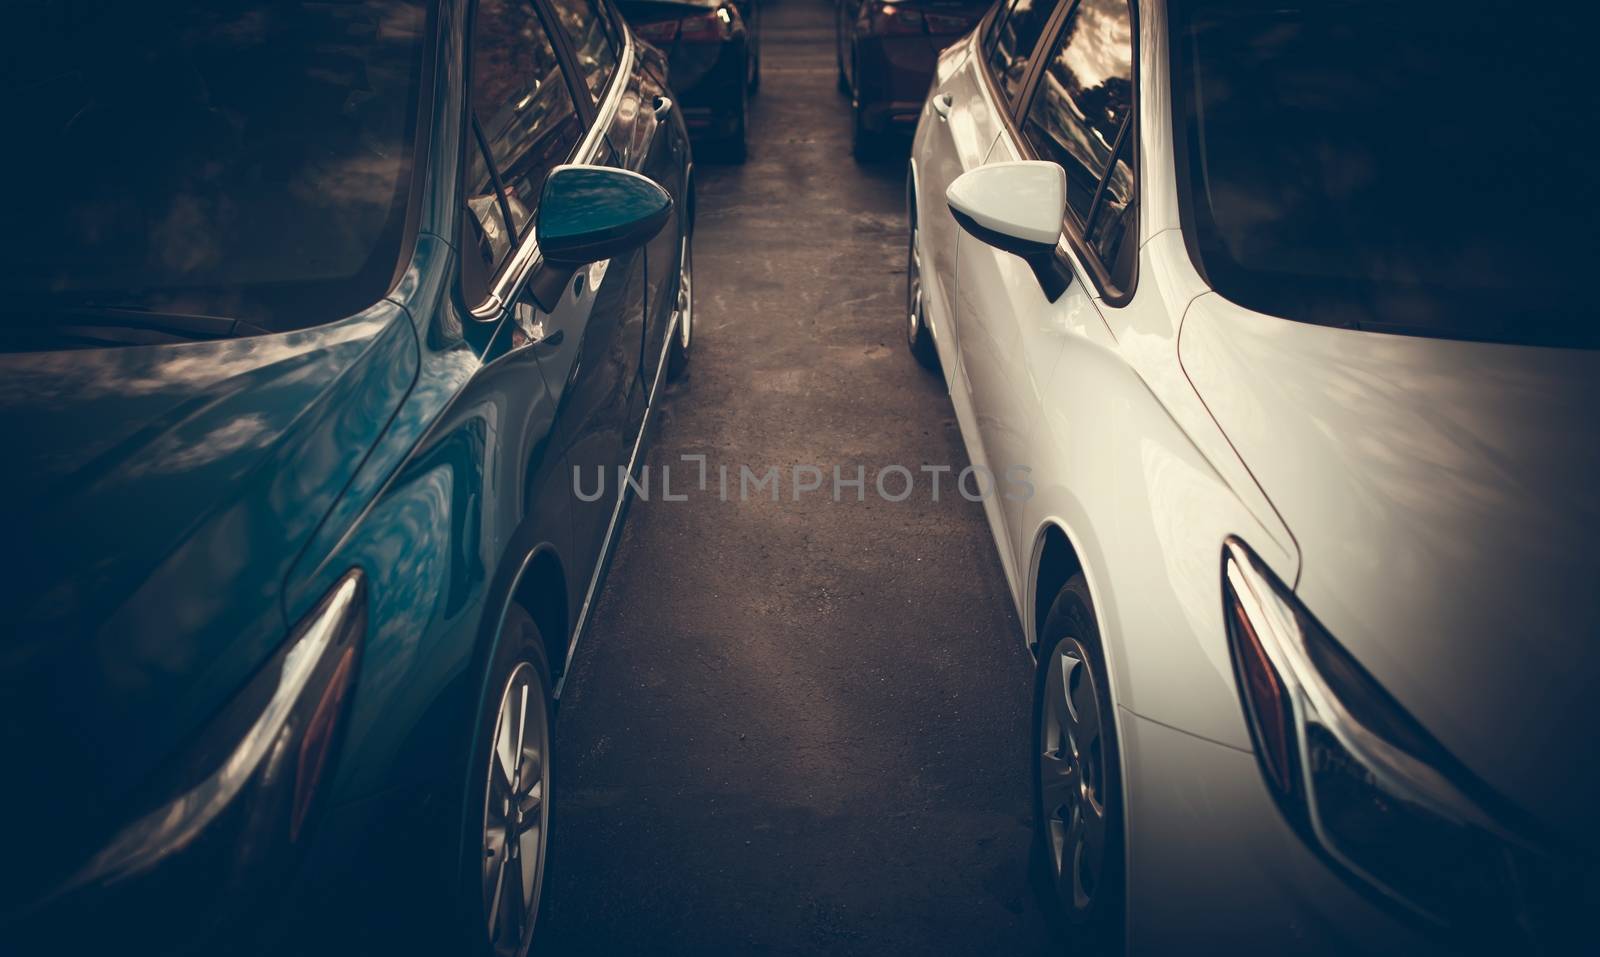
column 1389, row 167
column 1014, row 40
column 524, row 112
column 247, row 160
column 489, row 204
column 1083, row 97
column 1112, row 222
column 590, row 31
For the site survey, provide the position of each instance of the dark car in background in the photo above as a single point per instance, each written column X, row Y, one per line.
column 713, row 50
column 311, row 313
column 886, row 52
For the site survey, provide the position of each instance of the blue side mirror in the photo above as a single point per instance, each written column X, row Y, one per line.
column 590, row 213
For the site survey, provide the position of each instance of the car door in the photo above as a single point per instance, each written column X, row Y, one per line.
column 964, row 118
column 1078, row 115
column 595, row 37
column 530, row 114
column 650, row 143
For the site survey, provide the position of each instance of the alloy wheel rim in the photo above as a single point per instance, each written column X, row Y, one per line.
column 516, row 813
column 914, row 290
column 685, row 295
column 1072, row 775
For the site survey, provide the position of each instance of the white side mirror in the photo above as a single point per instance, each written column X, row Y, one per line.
column 1016, row 207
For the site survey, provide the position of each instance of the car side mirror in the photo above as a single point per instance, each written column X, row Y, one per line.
column 587, row 214
column 1017, row 208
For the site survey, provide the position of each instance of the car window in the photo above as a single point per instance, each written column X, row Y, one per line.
column 1111, row 218
column 523, row 112
column 594, row 43
column 1083, row 98
column 248, row 159
column 1015, row 37
column 1375, row 165
column 486, row 200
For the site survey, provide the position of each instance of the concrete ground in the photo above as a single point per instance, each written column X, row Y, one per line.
column 798, row 727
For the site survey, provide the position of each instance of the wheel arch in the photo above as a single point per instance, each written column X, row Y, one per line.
column 541, row 590
column 1055, row 562
column 690, row 198
column 1061, row 551
column 1058, row 555
column 533, row 578
column 912, row 185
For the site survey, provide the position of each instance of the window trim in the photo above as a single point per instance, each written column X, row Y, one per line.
column 505, row 284
column 1100, row 188
column 1074, row 251
column 588, row 103
column 493, row 169
column 987, row 70
column 434, row 44
column 989, row 35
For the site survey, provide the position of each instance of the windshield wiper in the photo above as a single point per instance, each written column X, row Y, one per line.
column 89, row 327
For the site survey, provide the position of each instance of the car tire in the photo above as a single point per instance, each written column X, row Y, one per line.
column 866, row 144
column 732, row 148
column 683, row 330
column 518, row 703
column 918, row 338
column 755, row 59
column 1077, row 780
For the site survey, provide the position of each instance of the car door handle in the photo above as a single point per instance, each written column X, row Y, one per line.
column 662, row 105
column 942, row 105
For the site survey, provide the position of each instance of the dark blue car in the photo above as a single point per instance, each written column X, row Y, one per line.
column 311, row 311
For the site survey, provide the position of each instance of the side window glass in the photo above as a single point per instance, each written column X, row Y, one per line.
column 523, row 108
column 1083, row 97
column 992, row 35
column 588, row 28
column 486, row 201
column 1111, row 219
column 1015, row 38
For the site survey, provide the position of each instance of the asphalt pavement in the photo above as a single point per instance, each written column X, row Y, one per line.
column 798, row 727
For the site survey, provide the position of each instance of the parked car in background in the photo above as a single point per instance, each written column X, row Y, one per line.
column 293, row 381
column 1288, row 307
column 886, row 52
column 714, row 56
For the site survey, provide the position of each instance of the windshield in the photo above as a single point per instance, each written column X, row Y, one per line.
column 1410, row 168
column 241, row 158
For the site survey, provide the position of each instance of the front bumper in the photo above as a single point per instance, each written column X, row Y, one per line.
column 1212, row 865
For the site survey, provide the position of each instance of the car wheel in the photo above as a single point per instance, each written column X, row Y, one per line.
column 1077, row 783
column 755, row 60
column 732, row 148
column 866, row 143
column 507, row 816
column 683, row 331
column 918, row 338
column 863, row 142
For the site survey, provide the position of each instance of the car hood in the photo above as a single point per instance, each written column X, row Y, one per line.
column 1445, row 497
column 154, row 499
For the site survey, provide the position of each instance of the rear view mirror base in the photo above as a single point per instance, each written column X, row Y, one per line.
column 548, row 282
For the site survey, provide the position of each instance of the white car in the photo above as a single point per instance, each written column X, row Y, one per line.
column 1289, row 310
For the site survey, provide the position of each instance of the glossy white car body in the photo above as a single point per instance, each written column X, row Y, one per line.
column 1432, row 502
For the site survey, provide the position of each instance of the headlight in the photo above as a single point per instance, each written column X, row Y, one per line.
column 1369, row 788
column 280, row 729
column 220, row 827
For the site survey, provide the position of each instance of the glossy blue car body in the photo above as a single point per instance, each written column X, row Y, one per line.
column 174, row 511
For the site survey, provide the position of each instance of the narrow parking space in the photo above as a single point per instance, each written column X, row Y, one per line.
column 798, row 726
